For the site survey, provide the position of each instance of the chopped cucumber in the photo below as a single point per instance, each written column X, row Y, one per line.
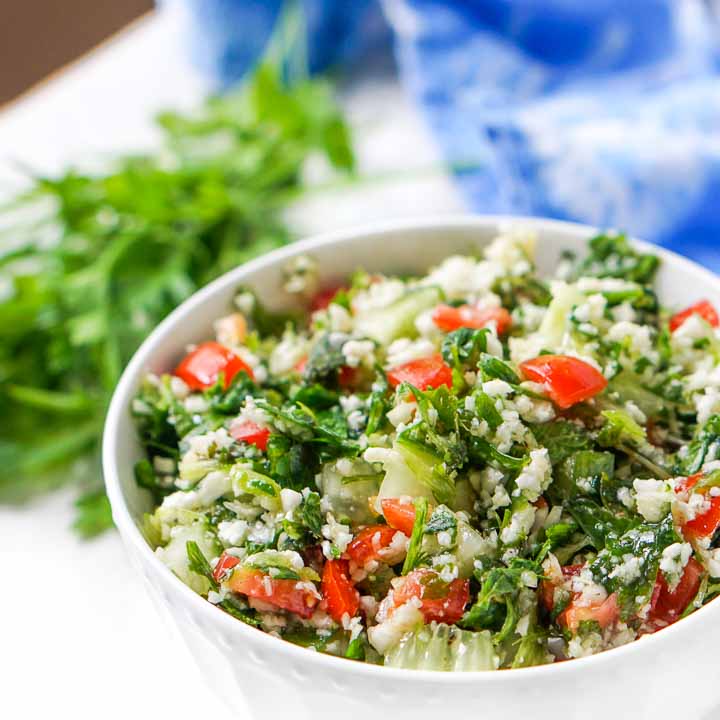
column 427, row 467
column 554, row 324
column 444, row 648
column 400, row 480
column 347, row 497
column 398, row 319
column 174, row 554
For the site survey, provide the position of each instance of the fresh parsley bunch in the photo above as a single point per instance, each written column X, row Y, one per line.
column 107, row 256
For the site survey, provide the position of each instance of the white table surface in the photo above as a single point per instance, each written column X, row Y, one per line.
column 79, row 637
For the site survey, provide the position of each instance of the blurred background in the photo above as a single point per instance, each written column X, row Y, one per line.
column 127, row 182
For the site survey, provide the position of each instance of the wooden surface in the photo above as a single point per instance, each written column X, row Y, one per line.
column 37, row 37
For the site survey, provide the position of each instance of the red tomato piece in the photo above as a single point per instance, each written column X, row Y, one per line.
column 324, row 297
column 567, row 380
column 449, row 318
column 706, row 524
column 703, row 308
column 369, row 544
column 339, row 593
column 225, row 563
column 347, row 376
column 301, row 364
column 441, row 601
column 668, row 605
column 251, row 433
column 604, row 614
column 399, row 515
column 201, row 368
column 291, row 595
column 423, row 373
column 547, row 588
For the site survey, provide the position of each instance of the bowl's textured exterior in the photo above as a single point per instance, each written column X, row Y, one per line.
column 668, row 675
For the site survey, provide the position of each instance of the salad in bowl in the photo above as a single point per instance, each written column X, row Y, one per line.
column 476, row 466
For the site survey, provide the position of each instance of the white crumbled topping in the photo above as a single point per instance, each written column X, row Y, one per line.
column 523, row 625
column 404, row 350
column 338, row 537
column 624, row 312
column 204, row 445
column 233, row 532
column 639, row 338
column 635, row 412
column 536, row 476
column 381, row 455
column 213, row 486
column 350, row 403
column 425, row 325
column 245, row 303
column 585, row 645
column 521, row 522
column 592, row 310
column 339, row 319
column 625, row 496
column 290, row 499
column 593, row 284
column 628, row 570
column 402, row 413
column 261, row 533
column 673, row 561
column 196, row 404
column 463, row 277
column 696, row 505
column 163, row 465
column 589, row 593
column 653, row 498
column 525, row 348
column 179, row 388
column 345, row 467
column 513, row 250
column 533, row 410
column 713, row 562
column 693, row 329
column 489, row 485
column 494, row 346
column 301, row 275
column 388, row 632
column 445, row 539
column 378, row 295
column 707, row 404
column 287, row 354
column 497, row 388
column 359, row 352
column 251, row 413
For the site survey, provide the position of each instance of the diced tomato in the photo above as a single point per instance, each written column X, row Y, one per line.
column 702, row 525
column 567, row 380
column 324, row 297
column 347, row 376
column 604, row 614
column 370, row 543
column 399, row 515
column 441, row 601
column 703, row 308
column 339, row 593
column 547, row 588
column 301, row 364
column 668, row 605
column 225, row 563
column 424, row 373
column 291, row 595
column 449, row 318
column 251, row 433
column 201, row 368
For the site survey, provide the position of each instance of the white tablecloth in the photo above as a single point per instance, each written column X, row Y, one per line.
column 79, row 637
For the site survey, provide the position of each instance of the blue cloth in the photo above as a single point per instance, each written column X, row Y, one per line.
column 602, row 111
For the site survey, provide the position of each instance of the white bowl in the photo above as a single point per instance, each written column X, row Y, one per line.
column 670, row 674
